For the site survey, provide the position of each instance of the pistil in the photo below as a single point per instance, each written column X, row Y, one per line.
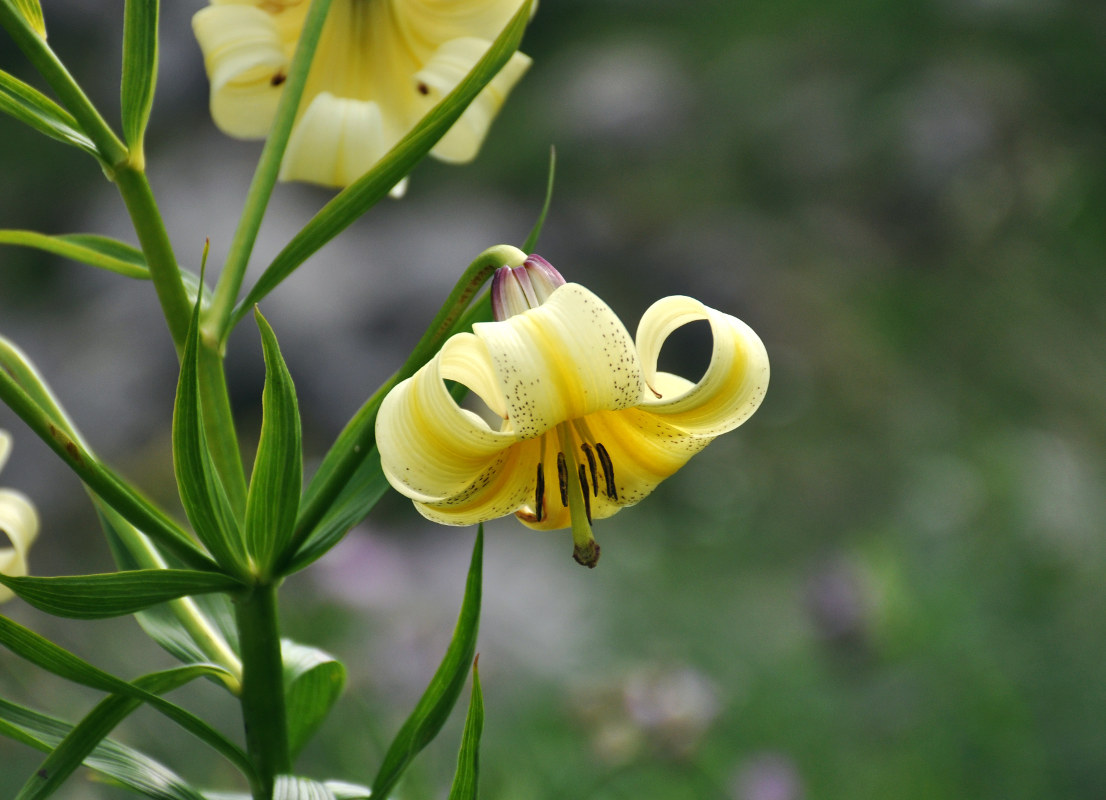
column 586, row 549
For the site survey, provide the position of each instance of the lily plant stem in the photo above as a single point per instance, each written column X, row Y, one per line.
column 218, row 319
column 154, row 239
column 262, row 695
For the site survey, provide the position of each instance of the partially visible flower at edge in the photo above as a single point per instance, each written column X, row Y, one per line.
column 18, row 521
column 380, row 66
column 589, row 424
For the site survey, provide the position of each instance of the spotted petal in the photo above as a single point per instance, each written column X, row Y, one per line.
column 448, row 67
column 432, row 449
column 730, row 390
column 565, row 359
column 244, row 55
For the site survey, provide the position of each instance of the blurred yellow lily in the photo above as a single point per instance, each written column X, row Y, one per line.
column 587, row 422
column 379, row 67
column 18, row 521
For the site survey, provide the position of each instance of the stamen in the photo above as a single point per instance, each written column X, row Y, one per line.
column 608, row 471
column 539, row 494
column 591, row 465
column 562, row 477
column 583, row 485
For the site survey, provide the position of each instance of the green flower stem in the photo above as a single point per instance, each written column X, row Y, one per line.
column 218, row 319
column 219, row 426
column 359, row 435
column 112, row 151
column 154, row 239
column 263, row 687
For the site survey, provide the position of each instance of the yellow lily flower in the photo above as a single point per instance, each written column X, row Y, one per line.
column 380, row 66
column 588, row 424
column 18, row 521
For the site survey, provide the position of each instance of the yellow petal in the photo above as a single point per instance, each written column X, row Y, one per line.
column 246, row 60
column 335, row 142
column 500, row 489
column 431, row 449
column 19, row 521
column 567, row 358
column 730, row 390
column 440, row 75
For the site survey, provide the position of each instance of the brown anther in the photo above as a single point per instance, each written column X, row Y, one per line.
column 562, row 478
column 608, row 471
column 584, row 487
column 278, row 79
column 591, row 466
column 539, row 493
column 422, row 88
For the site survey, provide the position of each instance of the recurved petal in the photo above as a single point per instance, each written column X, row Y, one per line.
column 246, row 62
column 19, row 521
column 431, row 449
column 733, row 385
column 500, row 489
column 335, row 142
column 565, row 359
column 448, row 67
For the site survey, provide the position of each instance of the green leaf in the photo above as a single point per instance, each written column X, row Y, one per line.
column 277, row 480
column 124, row 765
column 313, row 680
column 340, row 790
column 139, row 69
column 349, row 482
column 466, row 780
column 288, row 787
column 97, row 251
column 445, row 687
column 193, row 629
column 32, row 107
column 366, row 191
column 45, row 654
column 79, row 743
column 26, row 393
column 354, row 502
column 114, row 594
column 201, row 491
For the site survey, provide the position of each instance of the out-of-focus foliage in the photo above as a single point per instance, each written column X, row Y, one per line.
column 889, row 583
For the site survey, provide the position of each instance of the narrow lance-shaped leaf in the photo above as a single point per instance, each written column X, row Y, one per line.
column 139, row 70
column 201, row 491
column 32, row 107
column 353, row 201
column 445, row 687
column 355, row 444
column 114, row 594
column 25, row 393
column 277, row 479
column 313, row 680
column 117, row 762
column 79, row 743
column 466, row 780
column 194, row 629
column 45, row 654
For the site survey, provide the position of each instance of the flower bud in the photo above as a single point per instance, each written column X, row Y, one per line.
column 518, row 289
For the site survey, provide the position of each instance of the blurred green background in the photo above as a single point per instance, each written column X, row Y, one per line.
column 889, row 583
